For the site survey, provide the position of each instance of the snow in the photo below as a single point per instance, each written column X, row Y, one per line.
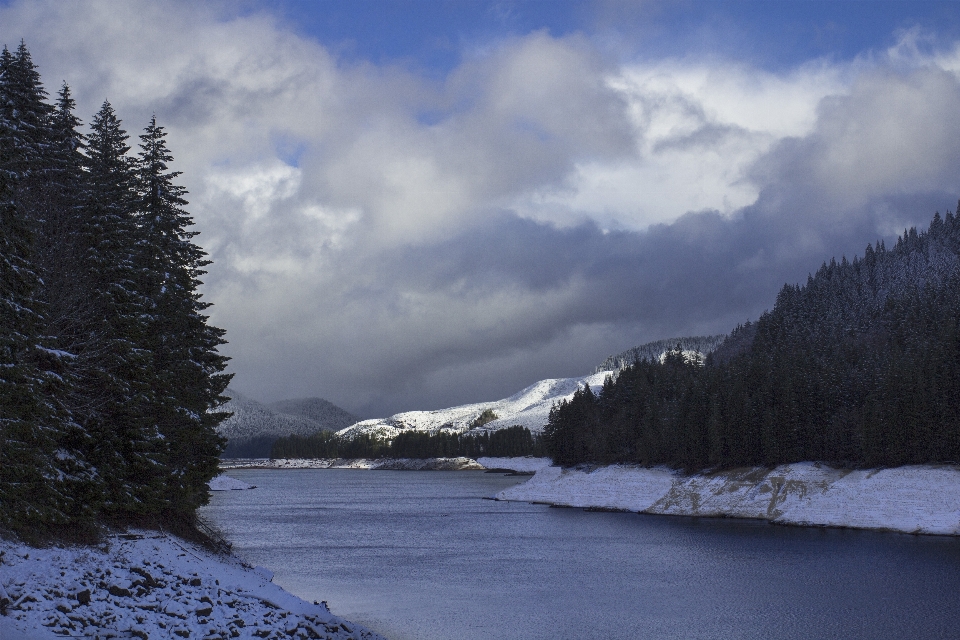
column 402, row 464
column 147, row 584
column 224, row 482
column 913, row 499
column 526, row 464
column 529, row 408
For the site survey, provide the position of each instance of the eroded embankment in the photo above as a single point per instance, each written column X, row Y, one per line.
column 145, row 584
column 914, row 499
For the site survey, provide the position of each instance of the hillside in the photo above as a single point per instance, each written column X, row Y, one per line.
column 529, row 408
column 326, row 413
column 253, row 427
column 859, row 366
column 653, row 351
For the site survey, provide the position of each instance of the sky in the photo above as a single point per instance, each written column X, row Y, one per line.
column 416, row 204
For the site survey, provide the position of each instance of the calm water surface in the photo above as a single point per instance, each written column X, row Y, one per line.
column 421, row 555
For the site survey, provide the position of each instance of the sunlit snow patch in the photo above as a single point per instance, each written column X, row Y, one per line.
column 529, row 408
column 224, row 482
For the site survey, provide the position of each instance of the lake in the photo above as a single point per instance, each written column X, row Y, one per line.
column 421, row 555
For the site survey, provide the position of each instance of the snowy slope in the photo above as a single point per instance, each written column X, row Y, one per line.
column 912, row 499
column 149, row 585
column 692, row 346
column 529, row 408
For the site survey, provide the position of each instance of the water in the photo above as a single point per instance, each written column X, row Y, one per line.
column 420, row 555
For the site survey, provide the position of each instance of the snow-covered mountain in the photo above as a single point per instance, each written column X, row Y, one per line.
column 696, row 347
column 529, row 408
column 253, row 427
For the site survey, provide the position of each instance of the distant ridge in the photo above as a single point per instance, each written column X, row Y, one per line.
column 253, row 427
column 332, row 417
column 653, row 350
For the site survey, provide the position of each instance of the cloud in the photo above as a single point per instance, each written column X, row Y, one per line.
column 393, row 241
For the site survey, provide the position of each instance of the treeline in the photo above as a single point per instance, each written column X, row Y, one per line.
column 108, row 367
column 860, row 367
column 509, row 442
column 653, row 351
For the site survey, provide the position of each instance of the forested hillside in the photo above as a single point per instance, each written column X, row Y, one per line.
column 109, row 371
column 253, row 427
column 329, row 415
column 654, row 351
column 858, row 366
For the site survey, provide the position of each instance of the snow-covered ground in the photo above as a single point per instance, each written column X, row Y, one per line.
column 224, row 482
column 148, row 585
column 529, row 408
column 913, row 499
column 402, row 464
column 527, row 464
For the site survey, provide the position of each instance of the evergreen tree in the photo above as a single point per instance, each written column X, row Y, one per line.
column 115, row 370
column 43, row 482
column 188, row 370
column 39, row 431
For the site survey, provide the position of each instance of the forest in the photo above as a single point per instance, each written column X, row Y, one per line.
column 858, row 367
column 510, row 442
column 109, row 371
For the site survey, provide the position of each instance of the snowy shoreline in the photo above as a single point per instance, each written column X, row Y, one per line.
column 148, row 584
column 923, row 499
column 518, row 465
column 920, row 499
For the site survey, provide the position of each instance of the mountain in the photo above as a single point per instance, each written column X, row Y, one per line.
column 332, row 417
column 253, row 427
column 529, row 408
column 698, row 347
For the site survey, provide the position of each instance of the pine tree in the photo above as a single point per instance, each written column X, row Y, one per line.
column 189, row 378
column 44, row 483
column 115, row 370
column 39, row 430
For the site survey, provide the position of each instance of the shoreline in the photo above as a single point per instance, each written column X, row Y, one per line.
column 522, row 465
column 918, row 499
column 142, row 584
column 915, row 499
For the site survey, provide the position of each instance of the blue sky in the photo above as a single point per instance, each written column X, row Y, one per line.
column 434, row 35
column 411, row 205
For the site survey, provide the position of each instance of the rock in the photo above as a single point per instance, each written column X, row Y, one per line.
column 83, row 597
column 204, row 611
column 195, row 582
column 119, row 592
column 148, row 580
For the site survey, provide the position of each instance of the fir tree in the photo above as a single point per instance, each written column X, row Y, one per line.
column 115, row 370
column 39, row 429
column 43, row 482
column 189, row 379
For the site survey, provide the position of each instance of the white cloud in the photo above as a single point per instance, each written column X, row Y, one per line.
column 341, row 203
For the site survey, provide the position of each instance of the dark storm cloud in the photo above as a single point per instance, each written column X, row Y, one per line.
column 391, row 240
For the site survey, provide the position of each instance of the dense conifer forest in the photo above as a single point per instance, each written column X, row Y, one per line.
column 512, row 441
column 860, row 366
column 109, row 372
